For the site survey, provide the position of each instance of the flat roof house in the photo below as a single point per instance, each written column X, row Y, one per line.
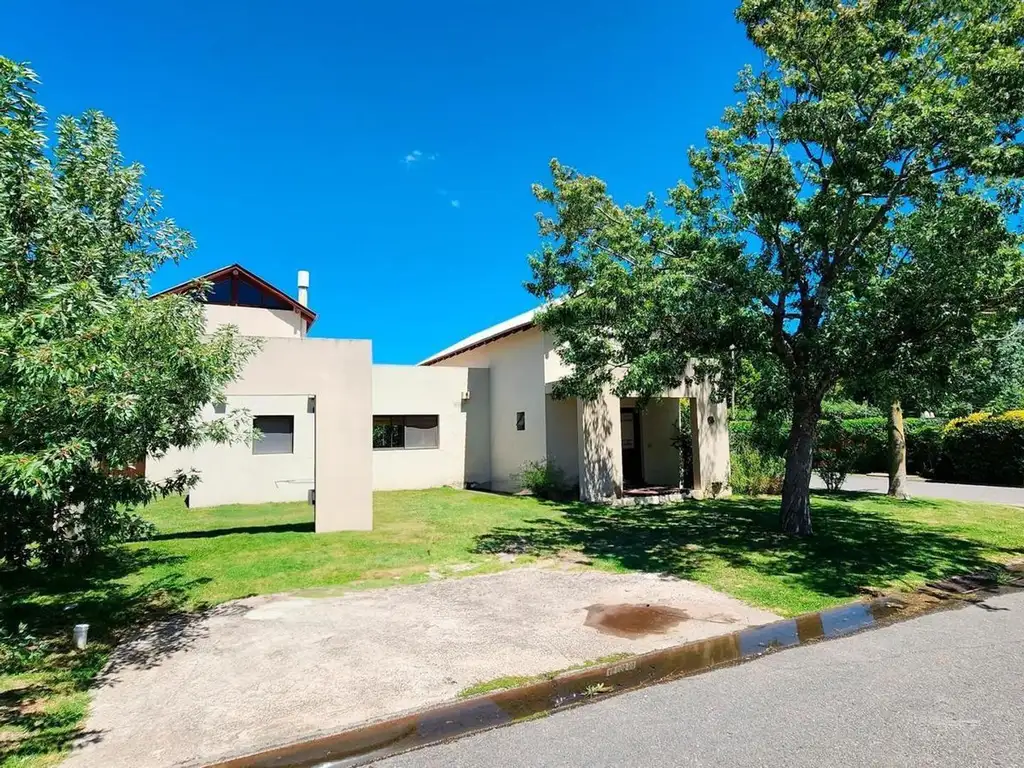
column 335, row 427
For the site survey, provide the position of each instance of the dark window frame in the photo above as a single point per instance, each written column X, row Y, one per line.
column 237, row 291
column 261, row 446
column 520, row 421
column 395, row 432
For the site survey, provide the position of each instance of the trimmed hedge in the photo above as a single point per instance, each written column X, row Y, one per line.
column 985, row 449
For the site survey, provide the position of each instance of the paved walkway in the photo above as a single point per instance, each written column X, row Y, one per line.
column 942, row 690
column 925, row 489
column 271, row 670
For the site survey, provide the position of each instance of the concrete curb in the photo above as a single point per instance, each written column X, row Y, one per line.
column 375, row 741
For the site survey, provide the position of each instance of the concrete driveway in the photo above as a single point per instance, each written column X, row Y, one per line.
column 877, row 483
column 270, row 670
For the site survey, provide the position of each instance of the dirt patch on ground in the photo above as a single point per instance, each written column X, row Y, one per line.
column 270, row 670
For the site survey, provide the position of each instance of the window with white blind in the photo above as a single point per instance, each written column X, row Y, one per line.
column 277, row 435
column 405, row 432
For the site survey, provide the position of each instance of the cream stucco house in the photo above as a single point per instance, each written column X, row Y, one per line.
column 335, row 427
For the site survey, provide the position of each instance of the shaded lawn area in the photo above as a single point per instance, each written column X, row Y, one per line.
column 734, row 545
column 203, row 557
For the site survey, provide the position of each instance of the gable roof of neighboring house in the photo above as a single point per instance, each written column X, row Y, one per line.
column 236, row 271
column 501, row 330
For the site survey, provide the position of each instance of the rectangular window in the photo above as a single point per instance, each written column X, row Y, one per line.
column 409, row 432
column 277, row 435
column 520, row 421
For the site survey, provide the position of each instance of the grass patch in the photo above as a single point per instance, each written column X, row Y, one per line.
column 517, row 681
column 203, row 557
column 235, row 551
column 734, row 545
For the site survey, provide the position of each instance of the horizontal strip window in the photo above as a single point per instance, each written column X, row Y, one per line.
column 405, row 432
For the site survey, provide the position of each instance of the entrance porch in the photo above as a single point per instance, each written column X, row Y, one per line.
column 625, row 454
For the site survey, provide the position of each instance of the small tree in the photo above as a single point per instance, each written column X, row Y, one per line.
column 878, row 147
column 835, row 453
column 94, row 376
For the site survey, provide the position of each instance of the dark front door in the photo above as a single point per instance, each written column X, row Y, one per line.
column 632, row 458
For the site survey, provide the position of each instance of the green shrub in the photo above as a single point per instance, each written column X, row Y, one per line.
column 924, row 445
column 543, row 479
column 870, row 435
column 984, row 449
column 835, row 452
column 766, row 435
column 755, row 473
column 20, row 651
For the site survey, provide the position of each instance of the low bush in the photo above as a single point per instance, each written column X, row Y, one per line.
column 20, row 650
column 543, row 479
column 835, row 453
column 755, row 473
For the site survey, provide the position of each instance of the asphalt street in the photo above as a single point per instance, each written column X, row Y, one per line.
column 942, row 690
column 925, row 489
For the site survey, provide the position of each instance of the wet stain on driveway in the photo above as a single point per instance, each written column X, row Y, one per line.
column 632, row 621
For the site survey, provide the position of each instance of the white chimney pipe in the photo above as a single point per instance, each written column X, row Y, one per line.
column 303, row 287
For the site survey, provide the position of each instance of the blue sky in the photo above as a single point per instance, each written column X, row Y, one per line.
column 388, row 148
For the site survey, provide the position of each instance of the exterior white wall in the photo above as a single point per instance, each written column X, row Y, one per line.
column 255, row 321
column 600, row 440
column 554, row 367
column 463, row 452
column 516, row 363
column 231, row 474
column 711, row 464
column 563, row 437
column 285, row 373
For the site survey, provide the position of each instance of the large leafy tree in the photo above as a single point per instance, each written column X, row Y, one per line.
column 852, row 208
column 94, row 376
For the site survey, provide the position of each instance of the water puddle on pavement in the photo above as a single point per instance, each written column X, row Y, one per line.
column 633, row 621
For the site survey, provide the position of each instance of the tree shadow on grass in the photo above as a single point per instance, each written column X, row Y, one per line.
column 39, row 700
column 252, row 529
column 853, row 546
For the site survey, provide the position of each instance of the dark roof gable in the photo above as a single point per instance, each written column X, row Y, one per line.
column 239, row 275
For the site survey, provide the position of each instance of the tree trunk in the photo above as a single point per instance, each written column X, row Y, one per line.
column 796, row 487
column 897, row 453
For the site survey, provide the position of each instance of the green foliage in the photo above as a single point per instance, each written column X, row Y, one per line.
column 682, row 440
column 867, row 437
column 924, row 445
column 543, row 479
column 755, row 473
column 984, row 449
column 992, row 379
column 20, row 650
column 835, row 453
column 871, row 436
column 94, row 376
column 849, row 218
column 848, row 409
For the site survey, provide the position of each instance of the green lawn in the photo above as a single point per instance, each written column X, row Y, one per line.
column 203, row 557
